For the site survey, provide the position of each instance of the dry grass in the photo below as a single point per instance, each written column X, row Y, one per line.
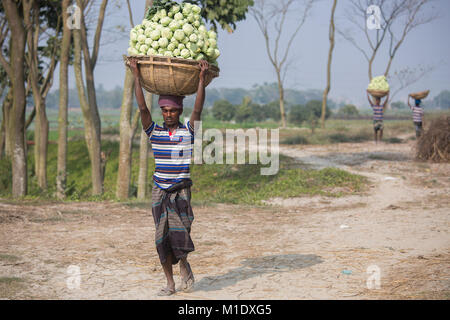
column 434, row 144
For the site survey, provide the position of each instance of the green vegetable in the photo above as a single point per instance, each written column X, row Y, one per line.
column 379, row 83
column 188, row 29
column 179, row 35
column 175, row 30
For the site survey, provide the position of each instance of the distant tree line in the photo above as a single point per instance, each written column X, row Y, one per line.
column 249, row 111
column 263, row 95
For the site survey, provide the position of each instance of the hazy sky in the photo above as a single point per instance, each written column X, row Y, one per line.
column 244, row 60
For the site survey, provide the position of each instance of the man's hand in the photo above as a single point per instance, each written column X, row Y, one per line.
column 134, row 68
column 204, row 67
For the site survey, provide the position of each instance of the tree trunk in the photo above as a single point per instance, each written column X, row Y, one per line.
column 127, row 130
column 92, row 122
column 330, row 57
column 5, row 141
column 143, row 156
column 281, row 93
column 126, row 137
column 2, row 131
column 91, row 132
column 17, row 115
column 41, row 143
column 61, row 176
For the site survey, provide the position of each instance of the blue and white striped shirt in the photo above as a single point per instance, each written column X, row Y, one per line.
column 417, row 113
column 172, row 153
column 377, row 113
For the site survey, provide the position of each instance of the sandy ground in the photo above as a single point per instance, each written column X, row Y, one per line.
column 395, row 238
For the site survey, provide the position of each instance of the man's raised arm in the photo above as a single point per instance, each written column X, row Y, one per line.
column 368, row 98
column 200, row 99
column 409, row 104
column 146, row 117
column 386, row 101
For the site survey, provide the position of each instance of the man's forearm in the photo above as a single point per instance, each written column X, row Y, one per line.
column 146, row 117
column 199, row 101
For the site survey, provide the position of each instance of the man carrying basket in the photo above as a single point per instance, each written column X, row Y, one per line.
column 171, row 194
column 417, row 110
column 378, row 111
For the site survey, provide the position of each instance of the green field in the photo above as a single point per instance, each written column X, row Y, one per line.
column 212, row 183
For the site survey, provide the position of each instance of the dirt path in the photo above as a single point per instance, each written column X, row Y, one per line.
column 298, row 248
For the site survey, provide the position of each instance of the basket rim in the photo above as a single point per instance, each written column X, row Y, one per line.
column 376, row 90
column 420, row 93
column 175, row 60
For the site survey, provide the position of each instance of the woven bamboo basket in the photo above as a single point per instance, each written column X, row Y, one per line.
column 377, row 93
column 420, row 95
column 171, row 76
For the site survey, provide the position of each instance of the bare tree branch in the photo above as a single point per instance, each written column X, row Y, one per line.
column 98, row 31
column 130, row 13
column 395, row 14
column 408, row 76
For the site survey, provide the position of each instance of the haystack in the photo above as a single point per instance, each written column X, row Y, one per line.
column 434, row 144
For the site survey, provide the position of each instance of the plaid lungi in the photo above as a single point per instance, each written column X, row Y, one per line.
column 173, row 218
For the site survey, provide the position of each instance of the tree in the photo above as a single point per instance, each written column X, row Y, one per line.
column 348, row 110
column 314, row 111
column 272, row 111
column 142, row 188
column 244, row 111
column 399, row 105
column 128, row 127
column 398, row 17
column 224, row 13
column 61, row 176
column 309, row 113
column 223, row 110
column 330, row 56
column 15, row 69
column 408, row 76
column 272, row 15
column 44, row 19
column 442, row 100
column 298, row 114
column 88, row 105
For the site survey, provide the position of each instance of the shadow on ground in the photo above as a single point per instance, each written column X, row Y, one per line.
column 358, row 158
column 338, row 160
column 255, row 267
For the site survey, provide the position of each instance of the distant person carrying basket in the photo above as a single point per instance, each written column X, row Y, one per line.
column 171, row 194
column 378, row 112
column 417, row 110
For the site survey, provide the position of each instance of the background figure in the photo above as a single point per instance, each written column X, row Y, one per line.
column 378, row 112
column 417, row 111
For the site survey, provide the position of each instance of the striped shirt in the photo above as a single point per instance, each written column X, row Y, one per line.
column 172, row 153
column 377, row 113
column 417, row 113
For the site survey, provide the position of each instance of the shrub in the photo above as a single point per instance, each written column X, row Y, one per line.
column 223, row 110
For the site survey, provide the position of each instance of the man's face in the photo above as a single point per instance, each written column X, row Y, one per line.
column 171, row 115
column 377, row 100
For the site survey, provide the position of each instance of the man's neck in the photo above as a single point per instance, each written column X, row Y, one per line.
column 172, row 127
